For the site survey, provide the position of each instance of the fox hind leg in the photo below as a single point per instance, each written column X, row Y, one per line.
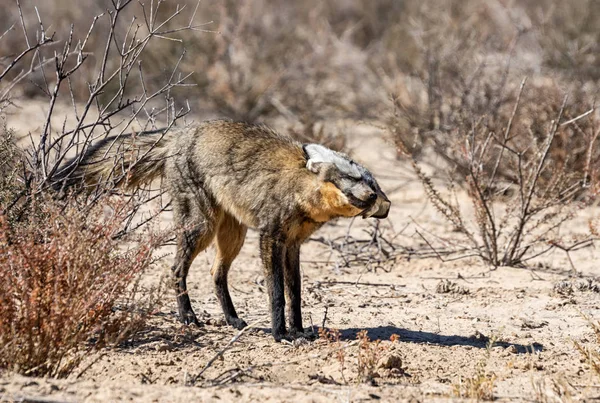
column 198, row 229
column 230, row 238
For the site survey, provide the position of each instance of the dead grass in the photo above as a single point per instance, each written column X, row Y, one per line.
column 11, row 158
column 374, row 358
column 479, row 387
column 590, row 350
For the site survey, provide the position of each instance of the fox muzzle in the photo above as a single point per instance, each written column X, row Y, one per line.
column 380, row 209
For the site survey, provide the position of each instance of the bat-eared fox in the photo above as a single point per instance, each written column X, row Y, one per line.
column 224, row 177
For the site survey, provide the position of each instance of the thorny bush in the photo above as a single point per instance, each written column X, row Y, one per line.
column 522, row 168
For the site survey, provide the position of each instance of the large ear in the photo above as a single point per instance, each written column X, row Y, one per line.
column 317, row 167
column 319, row 158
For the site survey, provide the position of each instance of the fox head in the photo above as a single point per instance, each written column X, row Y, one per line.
column 353, row 186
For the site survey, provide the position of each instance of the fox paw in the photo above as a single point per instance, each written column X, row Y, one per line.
column 281, row 337
column 307, row 335
column 237, row 323
column 189, row 318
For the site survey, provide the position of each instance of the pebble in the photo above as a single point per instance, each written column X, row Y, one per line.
column 390, row 361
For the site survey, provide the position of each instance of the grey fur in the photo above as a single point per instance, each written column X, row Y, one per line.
column 318, row 153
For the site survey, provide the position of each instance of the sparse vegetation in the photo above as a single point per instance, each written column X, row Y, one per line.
column 489, row 106
column 481, row 385
column 373, row 357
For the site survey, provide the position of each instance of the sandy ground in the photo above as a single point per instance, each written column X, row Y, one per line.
column 443, row 337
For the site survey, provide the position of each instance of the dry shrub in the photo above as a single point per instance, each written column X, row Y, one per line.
column 68, row 285
column 523, row 155
column 375, row 359
column 67, row 288
column 245, row 62
column 276, row 57
column 62, row 20
column 469, row 103
column 369, row 353
column 333, row 336
column 469, row 59
column 570, row 39
column 11, row 158
column 522, row 166
column 328, row 58
column 258, row 60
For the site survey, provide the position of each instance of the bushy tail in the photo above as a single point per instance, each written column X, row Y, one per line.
column 127, row 160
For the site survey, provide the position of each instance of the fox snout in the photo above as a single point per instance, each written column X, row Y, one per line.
column 380, row 208
column 369, row 197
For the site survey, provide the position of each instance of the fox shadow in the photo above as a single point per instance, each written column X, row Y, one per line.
column 418, row 337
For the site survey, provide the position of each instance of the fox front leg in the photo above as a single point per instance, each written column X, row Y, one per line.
column 293, row 289
column 272, row 254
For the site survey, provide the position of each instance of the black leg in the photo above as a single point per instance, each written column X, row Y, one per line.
column 293, row 288
column 230, row 239
column 195, row 239
column 222, row 291
column 183, row 260
column 184, row 305
column 271, row 250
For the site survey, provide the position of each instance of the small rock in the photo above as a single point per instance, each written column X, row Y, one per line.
column 532, row 324
column 390, row 361
column 564, row 288
column 219, row 322
column 478, row 336
column 300, row 341
column 450, row 287
column 164, row 346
